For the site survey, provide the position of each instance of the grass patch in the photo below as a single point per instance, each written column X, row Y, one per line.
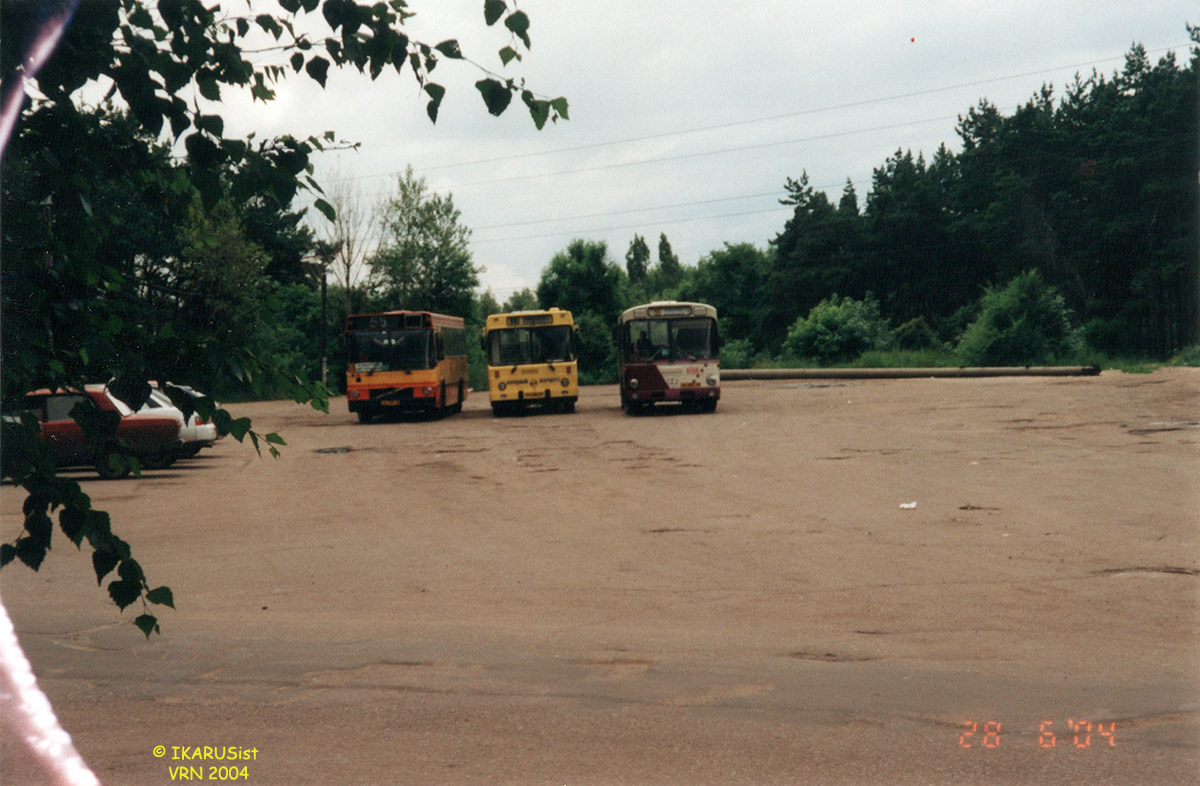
column 1188, row 357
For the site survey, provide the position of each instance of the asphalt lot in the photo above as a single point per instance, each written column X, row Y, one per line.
column 735, row 598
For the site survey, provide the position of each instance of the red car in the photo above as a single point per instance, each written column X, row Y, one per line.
column 153, row 439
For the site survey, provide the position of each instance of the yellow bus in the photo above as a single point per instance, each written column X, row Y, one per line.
column 405, row 361
column 531, row 360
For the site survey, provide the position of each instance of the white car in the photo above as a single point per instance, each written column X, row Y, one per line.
column 196, row 432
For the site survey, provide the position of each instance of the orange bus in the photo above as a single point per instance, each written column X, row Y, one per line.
column 405, row 361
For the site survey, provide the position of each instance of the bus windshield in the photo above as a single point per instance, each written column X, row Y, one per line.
column 670, row 339
column 527, row 345
column 392, row 350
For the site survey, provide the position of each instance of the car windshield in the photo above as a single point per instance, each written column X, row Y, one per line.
column 517, row 346
column 392, row 350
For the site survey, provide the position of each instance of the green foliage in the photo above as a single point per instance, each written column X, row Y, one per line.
column 597, row 355
column 1095, row 188
column 736, row 353
column 424, row 260
column 521, row 300
column 119, row 261
column 1110, row 336
column 1024, row 323
column 668, row 274
column 582, row 280
column 1186, row 357
column 732, row 281
column 905, row 358
column 221, row 273
column 838, row 329
column 288, row 335
column 637, row 260
column 915, row 334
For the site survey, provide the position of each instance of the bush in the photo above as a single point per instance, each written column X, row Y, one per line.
column 915, row 334
column 597, row 356
column 736, row 353
column 1024, row 323
column 1110, row 336
column 1189, row 356
column 837, row 330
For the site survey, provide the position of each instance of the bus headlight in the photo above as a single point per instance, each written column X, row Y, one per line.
column 503, row 385
column 565, row 382
column 355, row 394
column 712, row 380
column 427, row 391
column 633, row 384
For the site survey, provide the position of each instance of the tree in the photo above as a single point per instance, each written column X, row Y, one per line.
column 732, row 280
column 354, row 231
column 64, row 295
column 424, row 261
column 1022, row 323
column 806, row 267
column 637, row 259
column 669, row 272
column 521, row 300
column 582, row 279
column 219, row 275
column 837, row 330
column 282, row 236
column 585, row 282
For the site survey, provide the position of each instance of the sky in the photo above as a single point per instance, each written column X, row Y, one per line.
column 687, row 117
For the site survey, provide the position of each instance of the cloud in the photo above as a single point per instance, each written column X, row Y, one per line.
column 660, row 97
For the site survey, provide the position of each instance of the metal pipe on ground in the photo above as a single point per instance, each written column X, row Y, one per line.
column 907, row 373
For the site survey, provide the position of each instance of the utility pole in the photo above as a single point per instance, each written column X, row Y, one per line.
column 324, row 253
column 324, row 342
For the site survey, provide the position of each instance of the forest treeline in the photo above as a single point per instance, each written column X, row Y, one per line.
column 1066, row 228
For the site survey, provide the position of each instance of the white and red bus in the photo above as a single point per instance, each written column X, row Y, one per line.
column 667, row 352
column 405, row 361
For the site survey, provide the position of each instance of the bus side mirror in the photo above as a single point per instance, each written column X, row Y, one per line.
column 575, row 343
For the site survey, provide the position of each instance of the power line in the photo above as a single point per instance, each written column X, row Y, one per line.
column 629, row 210
column 702, row 154
column 634, row 226
column 769, row 118
column 684, row 156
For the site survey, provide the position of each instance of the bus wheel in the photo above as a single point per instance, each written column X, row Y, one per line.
column 458, row 404
column 631, row 407
column 568, row 405
column 708, row 405
column 364, row 416
column 499, row 409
